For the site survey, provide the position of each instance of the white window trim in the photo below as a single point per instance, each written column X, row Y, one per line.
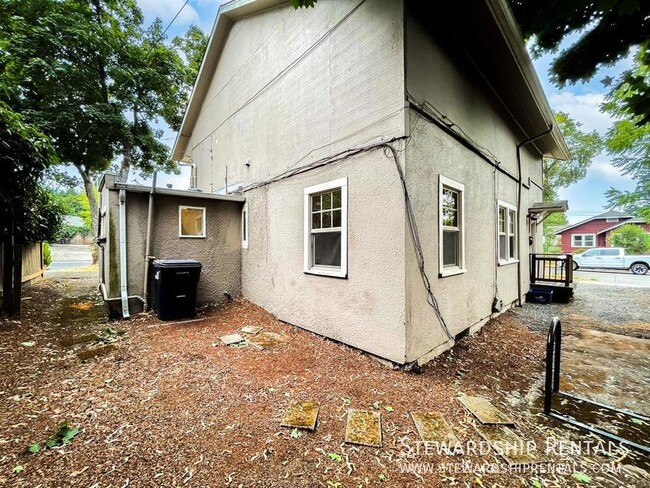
column 244, row 226
column 508, row 260
column 459, row 187
column 573, row 244
column 341, row 272
column 180, row 227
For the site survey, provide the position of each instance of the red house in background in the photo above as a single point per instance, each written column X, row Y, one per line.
column 596, row 231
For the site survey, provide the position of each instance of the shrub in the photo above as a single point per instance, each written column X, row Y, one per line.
column 47, row 254
column 632, row 238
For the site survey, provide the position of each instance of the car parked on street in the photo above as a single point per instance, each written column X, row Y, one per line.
column 612, row 258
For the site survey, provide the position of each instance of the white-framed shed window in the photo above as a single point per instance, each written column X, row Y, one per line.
column 326, row 229
column 244, row 226
column 507, row 233
column 191, row 221
column 583, row 240
column 452, row 227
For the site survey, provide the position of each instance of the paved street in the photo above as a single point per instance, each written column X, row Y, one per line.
column 612, row 278
column 70, row 261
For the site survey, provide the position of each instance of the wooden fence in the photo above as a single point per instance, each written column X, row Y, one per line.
column 32, row 263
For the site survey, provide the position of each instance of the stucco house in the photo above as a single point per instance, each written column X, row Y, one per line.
column 596, row 231
column 388, row 161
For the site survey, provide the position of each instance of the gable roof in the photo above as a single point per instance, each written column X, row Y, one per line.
column 502, row 22
column 637, row 220
column 610, row 214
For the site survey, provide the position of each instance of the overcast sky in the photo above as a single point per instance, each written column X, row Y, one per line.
column 580, row 101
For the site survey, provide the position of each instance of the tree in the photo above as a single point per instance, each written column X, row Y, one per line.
column 631, row 237
column 192, row 46
column 27, row 211
column 96, row 87
column 584, row 146
column 629, row 142
column 606, row 31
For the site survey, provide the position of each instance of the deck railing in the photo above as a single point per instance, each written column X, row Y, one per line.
column 551, row 268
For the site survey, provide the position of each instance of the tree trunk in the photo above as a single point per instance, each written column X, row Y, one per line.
column 12, row 271
column 90, row 194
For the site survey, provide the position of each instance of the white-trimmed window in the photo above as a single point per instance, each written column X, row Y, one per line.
column 326, row 229
column 191, row 221
column 451, row 236
column 507, row 229
column 244, row 226
column 583, row 240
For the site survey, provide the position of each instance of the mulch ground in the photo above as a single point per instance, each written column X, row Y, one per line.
column 168, row 407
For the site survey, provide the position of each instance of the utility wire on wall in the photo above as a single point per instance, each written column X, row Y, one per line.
column 389, row 150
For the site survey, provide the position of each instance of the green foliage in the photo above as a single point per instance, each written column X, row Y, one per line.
column 584, row 146
column 582, row 477
column 47, row 254
column 25, row 154
column 628, row 141
column 62, row 437
column 303, row 3
column 94, row 80
column 68, row 231
column 631, row 237
column 192, row 46
column 604, row 30
column 334, row 456
column 551, row 225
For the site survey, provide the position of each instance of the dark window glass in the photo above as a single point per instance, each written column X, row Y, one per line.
column 327, row 248
column 450, row 248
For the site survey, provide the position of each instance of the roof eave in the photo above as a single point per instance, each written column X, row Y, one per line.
column 510, row 30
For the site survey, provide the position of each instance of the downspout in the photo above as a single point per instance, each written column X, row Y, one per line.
column 123, row 277
column 519, row 185
column 147, row 246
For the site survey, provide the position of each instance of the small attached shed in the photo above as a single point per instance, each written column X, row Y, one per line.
column 183, row 225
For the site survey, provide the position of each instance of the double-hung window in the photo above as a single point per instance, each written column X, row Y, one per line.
column 507, row 228
column 451, row 232
column 583, row 240
column 326, row 229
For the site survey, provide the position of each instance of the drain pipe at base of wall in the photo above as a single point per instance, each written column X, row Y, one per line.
column 123, row 278
column 519, row 184
column 147, row 246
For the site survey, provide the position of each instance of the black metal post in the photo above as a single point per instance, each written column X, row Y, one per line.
column 553, row 346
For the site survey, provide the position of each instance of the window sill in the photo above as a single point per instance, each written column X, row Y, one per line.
column 509, row 261
column 452, row 271
column 191, row 237
column 244, row 245
column 332, row 273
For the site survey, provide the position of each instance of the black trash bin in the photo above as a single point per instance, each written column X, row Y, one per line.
column 176, row 281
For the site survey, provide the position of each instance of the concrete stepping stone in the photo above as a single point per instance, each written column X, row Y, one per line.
column 512, row 448
column 264, row 340
column 484, row 411
column 363, row 428
column 250, row 329
column 231, row 339
column 301, row 415
column 432, row 427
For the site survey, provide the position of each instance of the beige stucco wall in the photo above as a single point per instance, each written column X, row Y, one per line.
column 366, row 310
column 458, row 92
column 219, row 252
column 293, row 86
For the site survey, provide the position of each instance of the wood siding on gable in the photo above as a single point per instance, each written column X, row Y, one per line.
column 294, row 86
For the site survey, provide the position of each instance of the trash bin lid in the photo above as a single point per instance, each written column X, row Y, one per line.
column 176, row 263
